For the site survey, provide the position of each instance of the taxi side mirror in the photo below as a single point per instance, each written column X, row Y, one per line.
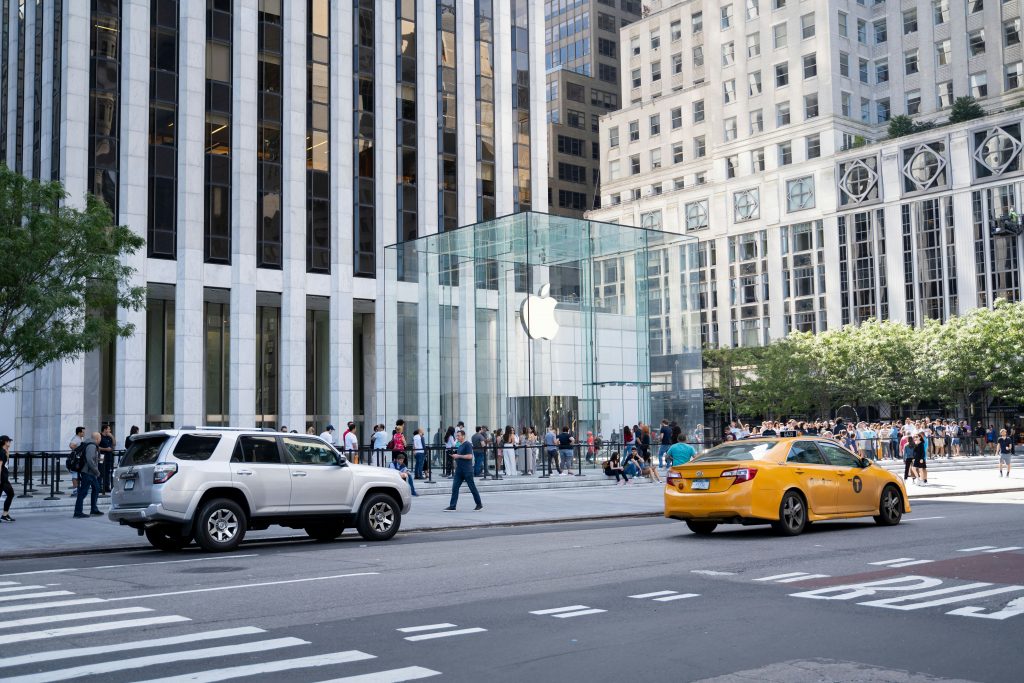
column 865, row 463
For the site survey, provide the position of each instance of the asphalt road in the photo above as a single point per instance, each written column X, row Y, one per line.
column 630, row 600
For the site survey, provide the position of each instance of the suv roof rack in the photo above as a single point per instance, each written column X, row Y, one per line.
column 213, row 428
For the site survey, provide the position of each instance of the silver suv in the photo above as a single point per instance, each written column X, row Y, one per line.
column 212, row 484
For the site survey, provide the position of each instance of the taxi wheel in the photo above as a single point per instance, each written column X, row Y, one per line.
column 792, row 515
column 890, row 507
column 702, row 528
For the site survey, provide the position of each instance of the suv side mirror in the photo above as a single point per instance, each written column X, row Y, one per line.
column 342, row 460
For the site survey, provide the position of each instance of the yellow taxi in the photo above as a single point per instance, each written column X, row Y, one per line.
column 786, row 482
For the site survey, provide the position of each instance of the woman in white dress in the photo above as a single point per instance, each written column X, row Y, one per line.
column 529, row 439
column 509, row 441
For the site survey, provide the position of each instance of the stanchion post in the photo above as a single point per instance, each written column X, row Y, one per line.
column 26, row 479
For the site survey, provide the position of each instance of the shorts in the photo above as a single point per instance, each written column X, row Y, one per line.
column 1004, row 458
column 920, row 462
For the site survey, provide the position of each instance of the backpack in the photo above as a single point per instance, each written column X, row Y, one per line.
column 75, row 461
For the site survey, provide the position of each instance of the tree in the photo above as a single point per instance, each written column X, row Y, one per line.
column 965, row 109
column 900, row 125
column 62, row 277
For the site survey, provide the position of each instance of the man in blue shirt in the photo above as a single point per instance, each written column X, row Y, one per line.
column 681, row 452
column 463, row 459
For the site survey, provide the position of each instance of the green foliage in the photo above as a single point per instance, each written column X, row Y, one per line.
column 965, row 109
column 880, row 362
column 900, row 125
column 59, row 264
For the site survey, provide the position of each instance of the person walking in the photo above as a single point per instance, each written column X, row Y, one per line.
column 5, row 478
column 907, row 449
column 565, row 444
column 90, row 478
column 75, row 442
column 551, row 449
column 509, row 443
column 106, row 449
column 921, row 458
column 463, row 472
column 418, row 451
column 1005, row 447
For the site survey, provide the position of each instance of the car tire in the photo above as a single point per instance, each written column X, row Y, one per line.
column 379, row 517
column 702, row 528
column 220, row 525
column 890, row 507
column 167, row 537
column 792, row 514
column 327, row 531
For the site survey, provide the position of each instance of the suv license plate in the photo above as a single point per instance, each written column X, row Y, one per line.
column 700, row 484
column 129, row 484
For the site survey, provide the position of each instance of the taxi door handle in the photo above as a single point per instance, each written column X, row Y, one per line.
column 799, row 471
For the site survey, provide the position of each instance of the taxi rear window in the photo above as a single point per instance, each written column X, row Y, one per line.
column 737, row 450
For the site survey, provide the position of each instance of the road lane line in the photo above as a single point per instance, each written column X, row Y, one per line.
column 555, row 610
column 911, row 563
column 889, row 603
column 711, row 572
column 980, row 547
column 15, row 589
column 26, row 596
column 444, row 634
column 8, row 583
column 429, row 627
column 652, row 595
column 41, row 571
column 780, row 576
column 214, row 675
column 1007, row 549
column 244, row 585
column 146, row 564
column 409, row 673
column 89, row 628
column 48, row 605
column 73, row 652
column 98, row 668
column 898, row 559
column 581, row 613
column 921, row 519
column 806, row 577
column 680, row 596
column 73, row 616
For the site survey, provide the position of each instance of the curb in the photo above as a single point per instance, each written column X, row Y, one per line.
column 964, row 493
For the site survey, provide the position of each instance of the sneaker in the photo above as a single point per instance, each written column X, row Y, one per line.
column 96, row 513
column 6, row 518
column 479, row 507
column 449, row 509
column 81, row 515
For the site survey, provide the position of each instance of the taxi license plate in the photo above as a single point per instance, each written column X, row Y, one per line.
column 700, row 485
column 129, row 484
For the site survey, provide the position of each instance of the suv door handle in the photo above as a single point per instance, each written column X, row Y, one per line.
column 298, row 474
column 244, row 472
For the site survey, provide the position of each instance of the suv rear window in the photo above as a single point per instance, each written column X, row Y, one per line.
column 196, row 446
column 143, row 450
column 737, row 450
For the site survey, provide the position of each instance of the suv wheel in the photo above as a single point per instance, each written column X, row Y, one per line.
column 325, row 531
column 379, row 517
column 167, row 537
column 220, row 525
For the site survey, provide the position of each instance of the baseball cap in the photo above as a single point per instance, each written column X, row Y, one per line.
column 330, row 428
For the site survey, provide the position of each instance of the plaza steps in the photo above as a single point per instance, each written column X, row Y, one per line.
column 977, row 462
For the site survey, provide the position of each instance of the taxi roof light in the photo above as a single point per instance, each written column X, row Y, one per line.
column 740, row 474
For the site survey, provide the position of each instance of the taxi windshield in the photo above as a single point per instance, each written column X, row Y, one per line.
column 737, row 450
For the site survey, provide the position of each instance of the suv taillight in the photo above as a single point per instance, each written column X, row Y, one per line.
column 741, row 474
column 164, row 471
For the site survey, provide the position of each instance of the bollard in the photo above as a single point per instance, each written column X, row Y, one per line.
column 54, row 476
column 579, row 464
column 26, row 479
column 58, row 470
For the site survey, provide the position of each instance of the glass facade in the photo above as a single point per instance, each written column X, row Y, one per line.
column 318, row 364
column 997, row 257
column 407, row 129
column 485, row 110
column 217, row 213
column 268, row 137
column 6, row 30
column 932, row 262
column 19, row 95
column 485, row 352
column 268, row 358
column 318, row 133
column 104, row 101
column 37, row 91
column 522, row 193
column 217, row 348
column 160, row 361
column 447, row 118
column 748, row 288
column 161, row 230
column 58, row 69
column 364, row 187
column 862, row 273
column 803, row 277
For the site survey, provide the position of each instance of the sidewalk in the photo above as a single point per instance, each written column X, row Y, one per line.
column 47, row 532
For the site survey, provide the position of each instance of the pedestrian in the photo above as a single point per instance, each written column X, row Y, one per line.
column 532, row 441
column 76, row 441
column 612, row 468
column 920, row 458
column 591, row 451
column 463, row 472
column 1005, row 447
column 106, row 449
column 131, row 434
column 283, row 429
column 479, row 444
column 5, row 478
column 634, row 465
column 379, row 441
column 328, row 434
column 450, row 444
column 665, row 433
column 509, row 443
column 350, row 442
column 680, row 452
column 645, row 443
column 907, row 450
column 90, row 476
column 398, row 441
column 418, row 451
column 627, row 437
column 551, row 449
column 399, row 464
column 565, row 444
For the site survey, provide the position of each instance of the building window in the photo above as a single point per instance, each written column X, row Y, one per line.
column 862, row 32
column 572, row 173
column 677, row 64
column 844, row 25
column 782, row 74
column 675, row 30
column 728, row 53
column 846, row 104
column 634, row 131
column 572, row 146
column 979, row 85
column 884, row 110
column 813, row 144
column 882, row 71
column 677, row 153
column 940, row 11
column 698, row 111
column 858, row 181
column 757, row 160
column 730, row 128
column 636, row 78
column 634, row 164
column 945, row 94
column 754, row 83
column 655, row 39
column 943, row 52
column 698, row 56
column 729, row 91
column 217, row 209
column 746, row 205
column 217, row 351
column 655, row 158
column 844, row 64
column 269, row 185
column 807, row 26
column 997, row 151
column 779, row 36
column 1011, row 32
column 676, row 115
column 268, row 359
column 697, row 215
column 862, row 271
column 726, row 14
column 655, row 71
column 753, row 10
column 699, row 146
column 976, row 6
column 810, row 106
column 800, row 194
column 756, row 121
column 697, row 22
column 753, row 45
column 732, row 164
column 700, row 177
column 782, row 114
column 910, row 62
column 924, row 167
column 607, row 48
column 655, row 124
column 161, row 232
column 913, row 102
column 976, row 42
column 910, row 21
column 104, row 100
column 881, row 31
column 785, row 150
column 522, row 198
column 810, row 65
column 613, row 136
column 1014, row 74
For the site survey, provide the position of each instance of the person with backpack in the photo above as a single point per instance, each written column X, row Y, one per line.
column 90, row 477
column 75, row 442
column 5, row 479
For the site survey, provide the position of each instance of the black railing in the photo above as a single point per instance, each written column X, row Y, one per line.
column 46, row 470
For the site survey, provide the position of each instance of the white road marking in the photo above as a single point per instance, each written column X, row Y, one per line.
column 131, row 564
column 15, row 589
column 1013, row 608
column 73, row 652
column 214, row 675
column 26, row 596
column 805, row 577
column 429, row 627
column 8, row 583
column 409, row 673
column 898, row 559
column 581, row 613
column 40, row 571
column 921, row 519
column 97, row 668
column 555, row 610
column 74, row 616
column 980, row 547
column 444, row 634
column 911, row 563
column 48, row 605
column 1007, row 549
column 891, row 603
column 90, row 628
column 244, row 585
column 652, row 595
column 711, row 572
column 680, row 596
column 775, row 577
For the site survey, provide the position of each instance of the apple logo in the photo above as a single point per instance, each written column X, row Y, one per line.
column 538, row 315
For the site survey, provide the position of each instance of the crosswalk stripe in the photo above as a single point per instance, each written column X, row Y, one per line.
column 1004, row 550
column 73, row 652
column 680, row 596
column 409, row 673
column 89, row 628
column 581, row 613
column 911, row 563
column 8, row 583
column 48, row 605
column 428, row 627
column 555, row 610
column 15, row 589
column 980, row 547
column 32, row 596
column 887, row 562
column 240, row 586
column 652, row 595
column 71, row 616
column 781, row 576
column 97, row 668
column 444, row 634
column 214, row 675
column 805, row 577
